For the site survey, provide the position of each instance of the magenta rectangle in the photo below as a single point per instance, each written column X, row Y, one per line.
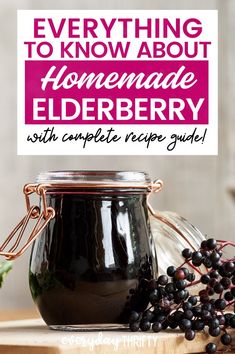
column 135, row 92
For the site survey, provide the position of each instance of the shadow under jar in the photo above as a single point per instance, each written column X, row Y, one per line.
column 94, row 251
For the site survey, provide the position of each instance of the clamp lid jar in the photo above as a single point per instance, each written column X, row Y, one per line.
column 94, row 250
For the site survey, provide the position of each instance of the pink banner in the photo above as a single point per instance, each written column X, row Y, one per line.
column 116, row 92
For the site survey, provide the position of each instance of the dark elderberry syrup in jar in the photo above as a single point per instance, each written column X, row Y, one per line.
column 95, row 249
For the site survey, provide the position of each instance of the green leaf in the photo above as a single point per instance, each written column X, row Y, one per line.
column 5, row 267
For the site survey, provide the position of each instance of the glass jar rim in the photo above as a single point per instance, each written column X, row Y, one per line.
column 98, row 177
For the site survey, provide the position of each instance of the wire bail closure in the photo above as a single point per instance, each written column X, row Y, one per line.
column 33, row 212
column 47, row 213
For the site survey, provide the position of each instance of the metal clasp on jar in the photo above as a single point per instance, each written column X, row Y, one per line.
column 42, row 218
column 46, row 213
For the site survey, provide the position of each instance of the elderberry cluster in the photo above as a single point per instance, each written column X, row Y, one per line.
column 170, row 305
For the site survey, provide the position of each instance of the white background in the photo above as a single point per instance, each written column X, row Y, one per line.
column 209, row 147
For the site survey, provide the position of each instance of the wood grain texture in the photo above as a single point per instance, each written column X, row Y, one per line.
column 33, row 336
column 20, row 314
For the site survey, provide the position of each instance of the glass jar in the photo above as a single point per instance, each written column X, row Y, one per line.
column 90, row 254
column 171, row 234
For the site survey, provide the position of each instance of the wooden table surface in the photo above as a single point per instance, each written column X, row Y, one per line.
column 31, row 336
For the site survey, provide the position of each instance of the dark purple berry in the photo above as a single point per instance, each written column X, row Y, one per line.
column 160, row 318
column 211, row 348
column 211, row 243
column 202, row 292
column 188, row 314
column 186, row 271
column 205, row 253
column 197, row 258
column 204, row 298
column 232, row 321
column 191, row 277
column 228, row 317
column 187, row 253
column 171, row 271
column 185, row 324
column 222, row 271
column 206, row 315
column 226, row 339
column 148, row 315
column 220, row 304
column 165, row 324
column 212, row 282
column 218, row 288
column 180, row 284
column 229, row 267
column 134, row 316
column 187, row 306
column 198, row 325
column 226, row 282
column 205, row 278
column 154, row 297
column 221, row 319
column 189, row 334
column 145, row 326
column 193, row 300
column 214, row 323
column 170, row 288
column 204, row 244
column 208, row 306
column 207, row 262
column 216, row 265
column 162, row 280
column 179, row 295
column 157, row 327
column 178, row 316
column 173, row 325
column 197, row 311
column 214, row 274
column 214, row 257
column 134, row 326
column 210, row 291
column 214, row 332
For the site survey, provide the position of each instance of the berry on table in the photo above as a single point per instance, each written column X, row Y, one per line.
column 145, row 326
column 157, row 327
column 171, row 305
column 189, row 334
column 134, row 326
column 211, row 348
column 226, row 339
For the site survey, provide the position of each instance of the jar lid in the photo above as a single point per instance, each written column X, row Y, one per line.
column 95, row 177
